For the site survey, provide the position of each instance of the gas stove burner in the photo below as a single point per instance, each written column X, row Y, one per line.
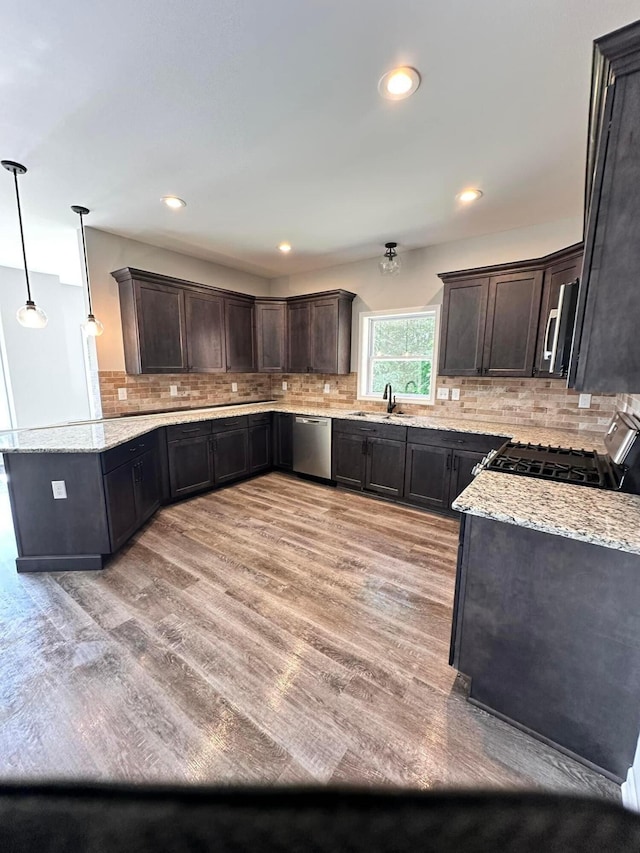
column 559, row 464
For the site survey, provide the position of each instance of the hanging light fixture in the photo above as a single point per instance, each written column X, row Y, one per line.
column 29, row 315
column 391, row 263
column 91, row 326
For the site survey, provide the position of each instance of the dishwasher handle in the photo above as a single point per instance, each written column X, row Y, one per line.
column 319, row 421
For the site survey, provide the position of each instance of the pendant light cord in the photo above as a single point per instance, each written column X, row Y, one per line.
column 24, row 251
column 86, row 264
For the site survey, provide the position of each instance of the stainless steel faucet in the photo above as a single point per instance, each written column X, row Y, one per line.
column 388, row 395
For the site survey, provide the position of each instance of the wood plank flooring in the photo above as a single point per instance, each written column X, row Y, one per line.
column 274, row 631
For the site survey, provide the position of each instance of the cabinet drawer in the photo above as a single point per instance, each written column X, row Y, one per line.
column 238, row 422
column 260, row 419
column 124, row 452
column 367, row 428
column 460, row 440
column 192, row 430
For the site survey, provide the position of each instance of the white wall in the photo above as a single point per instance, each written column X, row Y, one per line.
column 108, row 252
column 418, row 283
column 45, row 366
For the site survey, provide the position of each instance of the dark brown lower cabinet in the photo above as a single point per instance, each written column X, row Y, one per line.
column 462, row 465
column 132, row 493
column 283, row 440
column 230, row 455
column 384, row 469
column 260, row 447
column 427, row 475
column 190, row 465
column 348, row 454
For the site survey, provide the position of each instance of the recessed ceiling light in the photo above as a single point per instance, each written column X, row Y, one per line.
column 399, row 83
column 469, row 195
column 285, row 248
column 173, row 201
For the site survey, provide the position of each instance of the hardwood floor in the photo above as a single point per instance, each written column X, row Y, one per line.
column 273, row 631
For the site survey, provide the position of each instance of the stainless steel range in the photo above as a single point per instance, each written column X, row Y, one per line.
column 618, row 468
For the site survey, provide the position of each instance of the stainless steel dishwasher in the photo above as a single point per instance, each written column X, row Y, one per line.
column 312, row 446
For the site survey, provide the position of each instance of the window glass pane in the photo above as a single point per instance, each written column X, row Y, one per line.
column 406, row 377
column 410, row 336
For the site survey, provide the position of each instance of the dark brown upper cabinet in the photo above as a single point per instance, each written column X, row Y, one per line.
column 565, row 271
column 206, row 347
column 606, row 350
column 492, row 322
column 319, row 332
column 271, row 335
column 239, row 330
column 153, row 325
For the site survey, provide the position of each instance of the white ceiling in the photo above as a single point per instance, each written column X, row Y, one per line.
column 265, row 117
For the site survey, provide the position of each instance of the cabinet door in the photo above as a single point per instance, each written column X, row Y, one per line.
column 348, row 457
column 230, row 455
column 512, row 324
column 324, row 336
column 239, row 329
column 554, row 277
column 271, row 336
column 462, row 464
column 299, row 337
column 147, row 485
column 260, row 444
column 120, row 493
column 190, row 468
column 205, row 333
column 464, row 314
column 385, row 462
column 161, row 322
column 427, row 475
column 283, row 440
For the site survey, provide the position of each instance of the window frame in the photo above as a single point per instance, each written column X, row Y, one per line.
column 364, row 358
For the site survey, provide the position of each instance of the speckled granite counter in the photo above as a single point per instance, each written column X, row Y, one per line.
column 598, row 516
column 97, row 436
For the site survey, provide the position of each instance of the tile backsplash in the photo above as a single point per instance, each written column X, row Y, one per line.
column 538, row 402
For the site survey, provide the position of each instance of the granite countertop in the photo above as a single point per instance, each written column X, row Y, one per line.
column 597, row 516
column 97, row 436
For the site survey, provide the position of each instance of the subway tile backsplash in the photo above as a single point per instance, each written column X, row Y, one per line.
column 539, row 402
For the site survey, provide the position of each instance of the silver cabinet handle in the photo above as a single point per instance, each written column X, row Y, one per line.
column 553, row 315
column 556, row 333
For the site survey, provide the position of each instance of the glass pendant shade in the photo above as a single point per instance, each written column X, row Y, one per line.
column 31, row 317
column 92, row 327
column 390, row 266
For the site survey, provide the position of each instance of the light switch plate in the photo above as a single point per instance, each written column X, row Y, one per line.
column 234, row 386
column 455, row 393
column 59, row 489
column 122, row 393
column 173, row 390
column 585, row 401
column 327, row 387
column 443, row 394
column 284, row 386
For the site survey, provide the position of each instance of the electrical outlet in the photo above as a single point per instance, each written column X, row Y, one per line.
column 59, row 489
column 585, row 401
column 443, row 394
column 122, row 393
column 327, row 388
column 234, row 386
column 173, row 390
column 284, row 386
column 455, row 393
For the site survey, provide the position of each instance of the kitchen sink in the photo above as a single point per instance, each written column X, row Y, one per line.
column 380, row 415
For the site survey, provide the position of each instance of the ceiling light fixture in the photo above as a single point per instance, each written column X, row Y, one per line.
column 91, row 326
column 173, row 202
column 29, row 315
column 391, row 262
column 469, row 195
column 285, row 248
column 399, row 83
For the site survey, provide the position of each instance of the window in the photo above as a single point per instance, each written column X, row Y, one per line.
column 399, row 347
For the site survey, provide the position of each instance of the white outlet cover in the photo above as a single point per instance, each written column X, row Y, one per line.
column 234, row 386
column 59, row 489
column 327, row 387
column 455, row 393
column 585, row 401
column 443, row 394
column 122, row 393
column 284, row 386
column 173, row 390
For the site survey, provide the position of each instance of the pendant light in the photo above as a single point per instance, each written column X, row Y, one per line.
column 29, row 315
column 391, row 263
column 91, row 326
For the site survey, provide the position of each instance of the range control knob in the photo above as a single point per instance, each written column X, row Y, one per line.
column 476, row 469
